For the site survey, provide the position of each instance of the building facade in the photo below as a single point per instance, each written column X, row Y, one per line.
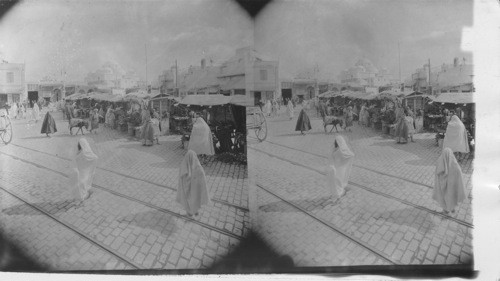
column 246, row 73
column 250, row 74
column 456, row 77
column 365, row 74
column 12, row 82
column 111, row 76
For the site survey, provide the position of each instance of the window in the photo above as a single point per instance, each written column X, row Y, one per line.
column 10, row 77
column 263, row 74
column 239, row 92
column 16, row 97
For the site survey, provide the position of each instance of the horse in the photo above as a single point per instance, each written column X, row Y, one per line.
column 77, row 122
column 332, row 120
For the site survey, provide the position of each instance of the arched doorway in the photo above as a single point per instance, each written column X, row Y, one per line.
column 56, row 95
column 310, row 92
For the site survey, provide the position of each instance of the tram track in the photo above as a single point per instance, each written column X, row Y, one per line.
column 130, row 198
column 371, row 190
column 244, row 209
column 330, row 226
column 73, row 229
column 355, row 165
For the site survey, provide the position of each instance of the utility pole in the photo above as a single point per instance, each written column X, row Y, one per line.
column 316, row 88
column 176, row 88
column 429, row 80
column 146, row 49
column 399, row 54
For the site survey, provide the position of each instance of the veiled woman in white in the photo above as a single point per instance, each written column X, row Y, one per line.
column 192, row 191
column 339, row 170
column 110, row 118
column 289, row 109
column 13, row 111
column 36, row 112
column 83, row 174
column 201, row 140
column 268, row 108
column 456, row 136
column 449, row 189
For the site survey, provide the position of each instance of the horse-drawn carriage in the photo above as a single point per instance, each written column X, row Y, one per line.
column 256, row 121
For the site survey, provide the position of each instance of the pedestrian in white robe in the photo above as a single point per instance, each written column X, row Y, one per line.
column 192, row 192
column 30, row 116
column 456, row 136
column 110, row 118
column 21, row 111
column 83, row 174
column 268, row 108
column 201, row 140
column 13, row 111
column 411, row 127
column 36, row 112
column 339, row 170
column 449, row 189
column 289, row 109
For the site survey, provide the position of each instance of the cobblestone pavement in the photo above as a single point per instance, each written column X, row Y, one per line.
column 387, row 210
column 131, row 220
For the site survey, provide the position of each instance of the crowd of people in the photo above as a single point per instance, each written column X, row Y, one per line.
column 110, row 115
column 28, row 110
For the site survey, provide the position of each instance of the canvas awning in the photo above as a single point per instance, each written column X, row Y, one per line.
column 210, row 100
column 457, row 98
column 77, row 96
column 328, row 94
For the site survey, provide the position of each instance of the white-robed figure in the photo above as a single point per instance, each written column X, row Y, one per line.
column 289, row 109
column 201, row 141
column 268, row 108
column 36, row 112
column 456, row 136
column 449, row 189
column 13, row 111
column 192, row 192
column 339, row 170
column 83, row 174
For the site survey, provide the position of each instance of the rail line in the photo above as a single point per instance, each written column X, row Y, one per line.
column 330, row 226
column 163, row 210
column 73, row 229
column 368, row 189
column 355, row 165
column 132, row 177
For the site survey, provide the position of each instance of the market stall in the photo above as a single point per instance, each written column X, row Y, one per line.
column 164, row 104
column 225, row 115
column 417, row 101
column 453, row 102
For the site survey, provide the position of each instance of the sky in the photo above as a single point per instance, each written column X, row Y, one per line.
column 80, row 36
column 334, row 34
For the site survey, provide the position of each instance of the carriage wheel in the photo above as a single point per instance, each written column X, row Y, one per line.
column 261, row 126
column 6, row 134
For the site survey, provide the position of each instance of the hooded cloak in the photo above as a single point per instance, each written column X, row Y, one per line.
column 201, row 141
column 192, row 191
column 449, row 189
column 339, row 170
column 85, row 162
column 456, row 136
